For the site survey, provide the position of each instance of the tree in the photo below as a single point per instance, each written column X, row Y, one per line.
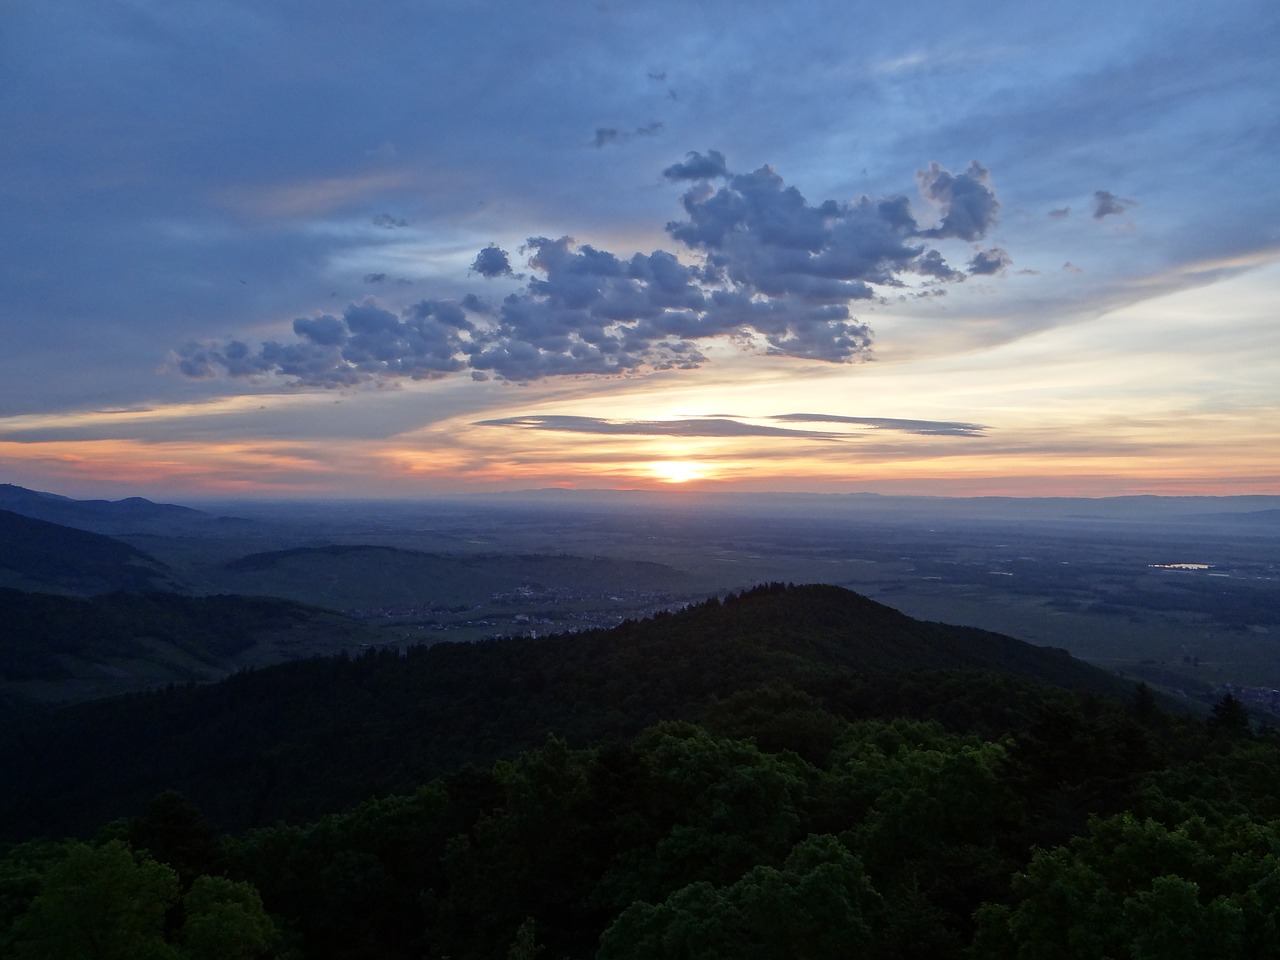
column 225, row 921
column 110, row 903
column 100, row 903
column 818, row 906
column 1230, row 716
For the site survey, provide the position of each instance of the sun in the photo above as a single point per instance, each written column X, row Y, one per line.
column 677, row 471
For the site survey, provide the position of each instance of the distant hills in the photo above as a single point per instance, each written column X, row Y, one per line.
column 308, row 737
column 40, row 555
column 131, row 515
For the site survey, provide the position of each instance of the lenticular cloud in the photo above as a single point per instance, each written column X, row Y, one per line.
column 759, row 264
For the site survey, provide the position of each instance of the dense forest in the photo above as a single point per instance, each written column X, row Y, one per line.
column 789, row 772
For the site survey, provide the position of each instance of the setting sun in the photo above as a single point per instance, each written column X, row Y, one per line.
column 677, row 471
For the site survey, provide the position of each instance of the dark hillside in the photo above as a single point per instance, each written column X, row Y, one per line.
column 300, row 739
column 75, row 648
column 39, row 555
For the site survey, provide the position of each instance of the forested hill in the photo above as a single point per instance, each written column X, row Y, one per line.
column 44, row 556
column 792, row 773
column 305, row 738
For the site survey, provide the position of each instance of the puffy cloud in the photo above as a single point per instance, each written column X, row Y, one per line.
column 1107, row 204
column 989, row 262
column 931, row 264
column 697, row 167
column 968, row 204
column 765, row 269
column 492, row 261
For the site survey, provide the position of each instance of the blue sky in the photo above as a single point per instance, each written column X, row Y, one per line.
column 339, row 249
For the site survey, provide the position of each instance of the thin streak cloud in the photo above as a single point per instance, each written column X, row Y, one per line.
column 727, row 426
column 934, row 428
column 693, row 427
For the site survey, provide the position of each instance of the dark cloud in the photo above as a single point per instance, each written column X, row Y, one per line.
column 967, row 202
column 1060, row 213
column 605, row 136
column 492, row 261
column 692, row 427
column 697, row 167
column 771, row 272
column 1107, row 204
column 926, row 427
column 989, row 262
column 931, row 264
column 374, row 277
column 388, row 222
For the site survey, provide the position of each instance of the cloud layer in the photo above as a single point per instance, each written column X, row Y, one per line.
column 761, row 267
column 726, row 426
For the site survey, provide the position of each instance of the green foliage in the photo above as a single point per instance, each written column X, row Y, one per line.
column 109, row 902
column 224, row 920
column 1137, row 888
column 819, row 905
column 99, row 904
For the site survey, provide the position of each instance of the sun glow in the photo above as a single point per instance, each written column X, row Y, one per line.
column 677, row 471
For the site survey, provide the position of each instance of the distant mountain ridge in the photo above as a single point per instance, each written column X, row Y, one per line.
column 110, row 517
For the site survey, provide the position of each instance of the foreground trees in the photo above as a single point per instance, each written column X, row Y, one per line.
column 108, row 902
column 815, row 813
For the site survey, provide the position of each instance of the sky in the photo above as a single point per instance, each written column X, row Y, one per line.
column 278, row 249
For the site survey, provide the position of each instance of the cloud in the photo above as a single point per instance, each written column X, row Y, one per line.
column 763, row 268
column 1107, row 204
column 374, row 277
column 606, row 136
column 1060, row 213
column 926, row 427
column 388, row 222
column 690, row 427
column 492, row 261
column 989, row 262
column 967, row 202
column 697, row 167
column 931, row 264
column 728, row 426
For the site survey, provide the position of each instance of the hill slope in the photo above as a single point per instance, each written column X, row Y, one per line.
column 299, row 739
column 76, row 648
column 43, row 556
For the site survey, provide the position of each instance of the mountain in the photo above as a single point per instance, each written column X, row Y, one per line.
column 304, row 738
column 42, row 556
column 111, row 517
